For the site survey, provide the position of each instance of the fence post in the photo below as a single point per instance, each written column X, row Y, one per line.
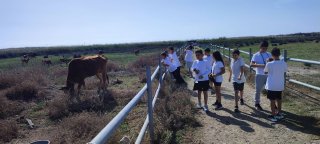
column 250, row 57
column 229, row 54
column 150, row 109
column 285, row 59
column 222, row 50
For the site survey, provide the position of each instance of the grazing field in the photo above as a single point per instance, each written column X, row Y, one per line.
column 32, row 91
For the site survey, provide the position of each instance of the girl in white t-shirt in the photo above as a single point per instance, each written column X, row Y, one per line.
column 216, row 75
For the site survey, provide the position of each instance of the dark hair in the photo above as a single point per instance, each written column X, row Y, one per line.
column 236, row 52
column 276, row 52
column 199, row 52
column 264, row 44
column 165, row 53
column 217, row 56
column 171, row 48
column 207, row 50
column 190, row 47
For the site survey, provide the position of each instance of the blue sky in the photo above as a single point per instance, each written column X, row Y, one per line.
column 77, row 22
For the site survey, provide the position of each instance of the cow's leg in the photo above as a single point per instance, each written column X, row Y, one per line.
column 100, row 81
column 79, row 90
column 104, row 78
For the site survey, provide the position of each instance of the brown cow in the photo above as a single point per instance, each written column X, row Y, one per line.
column 81, row 68
column 137, row 52
column 25, row 59
column 46, row 62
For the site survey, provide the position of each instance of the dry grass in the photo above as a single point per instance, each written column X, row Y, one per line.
column 26, row 91
column 6, row 81
column 143, row 61
column 9, row 108
column 114, row 67
column 9, row 131
column 174, row 113
column 81, row 128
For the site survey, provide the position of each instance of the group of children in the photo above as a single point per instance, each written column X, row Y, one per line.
column 208, row 69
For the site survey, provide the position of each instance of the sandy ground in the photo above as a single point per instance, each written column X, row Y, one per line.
column 249, row 126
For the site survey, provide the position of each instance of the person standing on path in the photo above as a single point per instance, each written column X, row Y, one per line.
column 209, row 59
column 275, row 69
column 259, row 61
column 237, row 77
column 188, row 58
column 218, row 70
column 201, row 69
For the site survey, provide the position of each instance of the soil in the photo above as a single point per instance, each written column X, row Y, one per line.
column 251, row 125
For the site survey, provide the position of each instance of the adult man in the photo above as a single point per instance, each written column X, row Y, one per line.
column 259, row 61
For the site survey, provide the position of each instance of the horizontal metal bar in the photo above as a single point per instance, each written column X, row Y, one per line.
column 245, row 52
column 304, row 84
column 146, row 122
column 107, row 131
column 304, row 61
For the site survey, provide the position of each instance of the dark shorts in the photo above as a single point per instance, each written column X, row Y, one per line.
column 201, row 86
column 274, row 95
column 238, row 86
column 217, row 83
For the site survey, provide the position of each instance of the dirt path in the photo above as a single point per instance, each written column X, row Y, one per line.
column 249, row 126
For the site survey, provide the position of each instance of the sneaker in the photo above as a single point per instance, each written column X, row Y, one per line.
column 219, row 106
column 205, row 108
column 215, row 103
column 258, row 107
column 198, row 106
column 236, row 109
column 272, row 118
column 279, row 116
column 241, row 102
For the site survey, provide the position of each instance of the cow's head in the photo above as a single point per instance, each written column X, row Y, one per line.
column 68, row 88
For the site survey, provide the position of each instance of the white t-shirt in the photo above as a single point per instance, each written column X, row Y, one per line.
column 175, row 59
column 209, row 59
column 171, row 66
column 189, row 56
column 236, row 70
column 204, row 68
column 276, row 70
column 260, row 58
column 216, row 68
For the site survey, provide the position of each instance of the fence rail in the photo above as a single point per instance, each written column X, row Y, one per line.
column 110, row 128
column 285, row 58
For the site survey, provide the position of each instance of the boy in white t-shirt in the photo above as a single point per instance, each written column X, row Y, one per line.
column 188, row 58
column 237, row 77
column 201, row 69
column 275, row 69
column 258, row 62
column 218, row 70
column 174, row 58
column 172, row 68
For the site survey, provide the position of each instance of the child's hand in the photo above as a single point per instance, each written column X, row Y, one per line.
column 201, row 77
column 196, row 71
column 239, row 77
column 229, row 79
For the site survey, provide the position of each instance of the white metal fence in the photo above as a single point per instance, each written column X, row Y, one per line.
column 110, row 128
